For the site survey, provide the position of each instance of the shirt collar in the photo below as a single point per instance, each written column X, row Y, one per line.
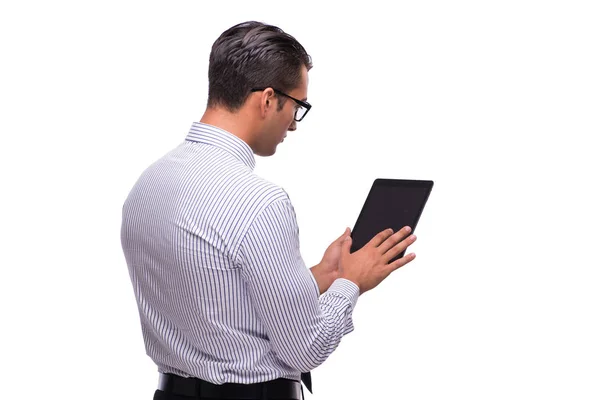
column 209, row 134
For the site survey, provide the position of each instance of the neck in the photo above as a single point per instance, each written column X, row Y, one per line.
column 234, row 123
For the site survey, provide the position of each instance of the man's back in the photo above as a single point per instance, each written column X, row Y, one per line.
column 208, row 245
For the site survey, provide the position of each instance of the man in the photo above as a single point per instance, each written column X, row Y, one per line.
column 227, row 306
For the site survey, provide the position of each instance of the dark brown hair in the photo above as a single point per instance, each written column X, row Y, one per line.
column 253, row 55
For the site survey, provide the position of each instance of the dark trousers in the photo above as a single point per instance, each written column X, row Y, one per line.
column 173, row 387
column 160, row 395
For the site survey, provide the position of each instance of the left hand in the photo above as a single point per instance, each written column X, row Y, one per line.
column 329, row 265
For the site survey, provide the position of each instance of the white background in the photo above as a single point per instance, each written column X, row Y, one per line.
column 497, row 102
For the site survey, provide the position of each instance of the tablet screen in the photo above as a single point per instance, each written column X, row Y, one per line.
column 391, row 203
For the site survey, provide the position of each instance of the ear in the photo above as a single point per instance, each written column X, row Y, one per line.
column 267, row 102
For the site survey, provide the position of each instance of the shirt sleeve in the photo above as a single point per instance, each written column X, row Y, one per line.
column 304, row 329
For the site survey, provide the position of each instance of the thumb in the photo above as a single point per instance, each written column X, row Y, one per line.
column 346, row 244
column 346, row 233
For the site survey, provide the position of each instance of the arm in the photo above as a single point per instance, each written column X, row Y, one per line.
column 323, row 281
column 303, row 327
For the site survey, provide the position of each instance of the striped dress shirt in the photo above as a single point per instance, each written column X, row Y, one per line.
column 214, row 258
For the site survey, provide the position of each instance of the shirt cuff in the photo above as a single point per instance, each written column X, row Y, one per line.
column 346, row 288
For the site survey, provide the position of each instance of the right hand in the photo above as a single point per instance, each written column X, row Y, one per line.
column 368, row 267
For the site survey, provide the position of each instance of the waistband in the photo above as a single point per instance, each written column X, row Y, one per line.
column 195, row 387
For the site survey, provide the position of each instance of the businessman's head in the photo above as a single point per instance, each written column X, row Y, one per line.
column 258, row 78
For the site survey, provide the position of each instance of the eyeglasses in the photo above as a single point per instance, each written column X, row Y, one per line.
column 302, row 108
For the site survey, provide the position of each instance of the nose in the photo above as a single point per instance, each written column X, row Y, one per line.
column 292, row 126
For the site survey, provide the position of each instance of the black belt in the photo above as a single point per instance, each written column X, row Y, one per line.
column 194, row 387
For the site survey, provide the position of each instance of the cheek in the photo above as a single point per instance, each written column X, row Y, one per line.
column 292, row 114
column 287, row 118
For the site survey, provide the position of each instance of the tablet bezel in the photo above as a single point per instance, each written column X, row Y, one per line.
column 407, row 183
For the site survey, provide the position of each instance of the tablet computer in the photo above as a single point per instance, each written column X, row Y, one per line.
column 391, row 203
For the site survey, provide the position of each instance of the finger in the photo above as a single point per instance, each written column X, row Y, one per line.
column 399, row 248
column 394, row 239
column 401, row 262
column 380, row 237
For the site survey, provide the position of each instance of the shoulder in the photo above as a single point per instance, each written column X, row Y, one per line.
column 260, row 194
